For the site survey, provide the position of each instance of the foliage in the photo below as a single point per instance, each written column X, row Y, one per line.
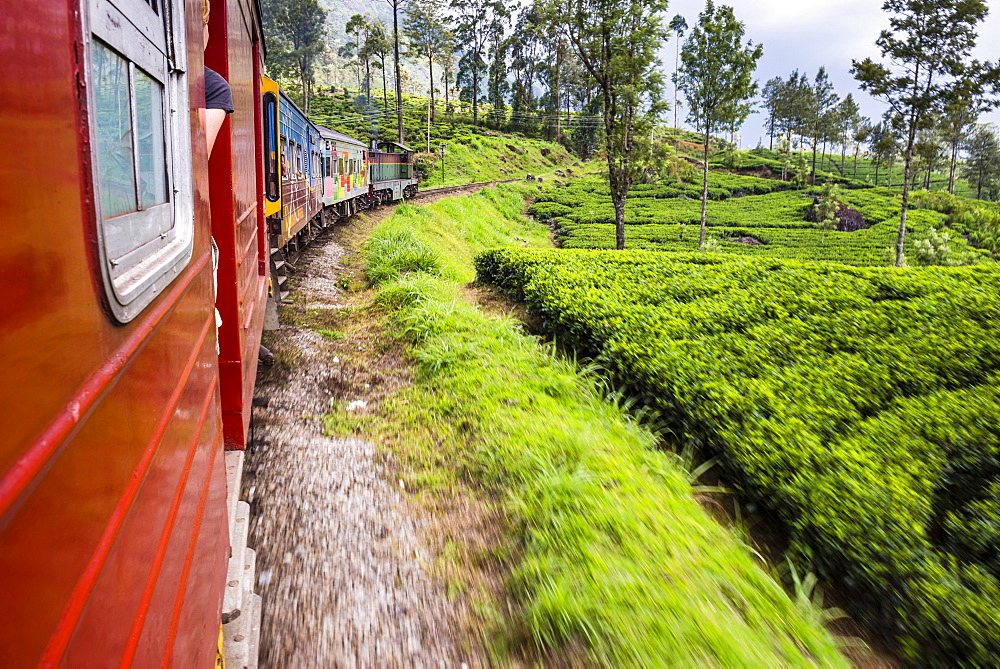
column 717, row 79
column 826, row 209
column 746, row 208
column 860, row 404
column 616, row 41
column 928, row 45
column 983, row 166
column 605, row 558
column 294, row 30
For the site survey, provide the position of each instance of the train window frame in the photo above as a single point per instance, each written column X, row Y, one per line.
column 284, row 160
column 272, row 158
column 143, row 248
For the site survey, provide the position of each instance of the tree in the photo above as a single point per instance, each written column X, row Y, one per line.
column 427, row 35
column 849, row 120
column 954, row 123
column 982, row 168
column 474, row 23
column 771, row 96
column 359, row 27
column 378, row 45
column 928, row 45
column 616, row 41
column 678, row 26
column 821, row 113
column 294, row 30
column 396, row 6
column 717, row 79
column 826, row 210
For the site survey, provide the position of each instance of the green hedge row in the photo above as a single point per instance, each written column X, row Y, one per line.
column 582, row 212
column 860, row 404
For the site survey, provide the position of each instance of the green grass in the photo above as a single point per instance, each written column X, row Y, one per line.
column 606, row 555
column 471, row 158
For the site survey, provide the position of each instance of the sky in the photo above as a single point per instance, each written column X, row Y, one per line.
column 807, row 34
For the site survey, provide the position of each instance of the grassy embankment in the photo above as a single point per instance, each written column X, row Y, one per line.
column 604, row 555
column 471, row 153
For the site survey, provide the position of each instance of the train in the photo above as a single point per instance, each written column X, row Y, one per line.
column 131, row 344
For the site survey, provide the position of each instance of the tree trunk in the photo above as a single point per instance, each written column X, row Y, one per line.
column 555, row 92
column 951, row 171
column 704, row 192
column 368, row 80
column 475, row 90
column 399, row 87
column 907, row 158
column 385, row 97
column 857, row 149
column 677, row 61
column 812, row 177
column 430, row 69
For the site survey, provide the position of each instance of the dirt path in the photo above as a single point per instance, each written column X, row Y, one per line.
column 341, row 556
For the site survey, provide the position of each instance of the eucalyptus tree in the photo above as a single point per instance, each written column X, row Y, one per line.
column 821, row 113
column 959, row 115
column 396, row 5
column 425, row 31
column 359, row 27
column 526, row 48
column 982, row 168
column 927, row 46
column 771, row 97
column 848, row 120
column 716, row 77
column 295, row 33
column 378, row 45
column 616, row 41
column 678, row 26
column 497, row 86
column 862, row 131
column 474, row 23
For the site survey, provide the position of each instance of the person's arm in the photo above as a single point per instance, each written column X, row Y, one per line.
column 214, row 118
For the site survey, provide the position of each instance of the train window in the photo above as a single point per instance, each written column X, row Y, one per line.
column 298, row 160
column 272, row 190
column 285, row 167
column 141, row 160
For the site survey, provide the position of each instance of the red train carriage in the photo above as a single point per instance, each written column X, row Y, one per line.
column 115, row 404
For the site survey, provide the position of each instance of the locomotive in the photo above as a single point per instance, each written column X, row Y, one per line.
column 125, row 406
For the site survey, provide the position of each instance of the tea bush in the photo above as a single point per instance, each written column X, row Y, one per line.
column 774, row 212
column 860, row 404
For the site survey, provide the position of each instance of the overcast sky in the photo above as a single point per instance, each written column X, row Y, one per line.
column 805, row 34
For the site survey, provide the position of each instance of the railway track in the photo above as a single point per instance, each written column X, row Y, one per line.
column 448, row 189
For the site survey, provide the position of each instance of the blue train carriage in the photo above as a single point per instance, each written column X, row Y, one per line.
column 345, row 174
column 392, row 177
column 300, row 159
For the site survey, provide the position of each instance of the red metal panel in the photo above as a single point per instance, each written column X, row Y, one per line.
column 234, row 169
column 110, row 457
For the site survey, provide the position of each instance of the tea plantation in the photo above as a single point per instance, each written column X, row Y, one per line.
column 858, row 404
column 747, row 216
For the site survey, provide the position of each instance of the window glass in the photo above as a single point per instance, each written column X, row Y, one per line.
column 149, row 130
column 141, row 160
column 116, row 169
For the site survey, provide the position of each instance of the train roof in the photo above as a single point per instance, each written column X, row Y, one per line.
column 388, row 144
column 326, row 133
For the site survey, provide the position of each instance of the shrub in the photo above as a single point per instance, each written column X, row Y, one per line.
column 860, row 404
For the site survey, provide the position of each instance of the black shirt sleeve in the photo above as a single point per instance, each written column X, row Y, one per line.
column 218, row 95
